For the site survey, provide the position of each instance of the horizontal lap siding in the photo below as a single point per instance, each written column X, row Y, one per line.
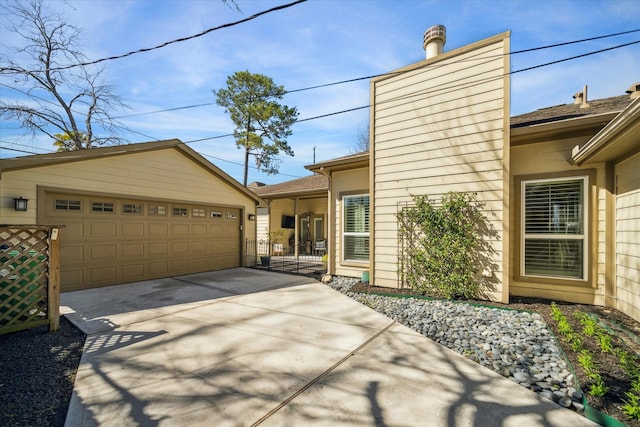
column 438, row 128
column 355, row 181
column 628, row 237
column 165, row 174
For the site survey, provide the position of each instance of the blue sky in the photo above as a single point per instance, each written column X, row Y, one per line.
column 318, row 42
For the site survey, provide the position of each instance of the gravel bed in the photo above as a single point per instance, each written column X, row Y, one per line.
column 518, row 345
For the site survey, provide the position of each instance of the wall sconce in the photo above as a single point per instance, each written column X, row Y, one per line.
column 20, row 204
column 252, row 217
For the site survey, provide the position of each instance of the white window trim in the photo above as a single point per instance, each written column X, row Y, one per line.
column 354, row 234
column 585, row 228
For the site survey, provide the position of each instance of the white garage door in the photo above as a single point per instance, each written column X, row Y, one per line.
column 111, row 240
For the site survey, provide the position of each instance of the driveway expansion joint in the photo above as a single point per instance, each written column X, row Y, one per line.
column 322, row 375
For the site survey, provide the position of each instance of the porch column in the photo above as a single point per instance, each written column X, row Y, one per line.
column 296, row 231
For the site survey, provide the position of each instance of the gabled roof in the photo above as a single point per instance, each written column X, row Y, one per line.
column 39, row 160
column 308, row 185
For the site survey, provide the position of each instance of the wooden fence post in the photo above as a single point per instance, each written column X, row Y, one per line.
column 53, row 287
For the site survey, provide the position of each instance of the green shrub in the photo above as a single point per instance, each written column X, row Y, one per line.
column 444, row 250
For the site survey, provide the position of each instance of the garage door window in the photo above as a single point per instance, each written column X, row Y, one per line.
column 132, row 208
column 216, row 214
column 198, row 213
column 67, row 205
column 102, row 207
column 156, row 210
column 180, row 212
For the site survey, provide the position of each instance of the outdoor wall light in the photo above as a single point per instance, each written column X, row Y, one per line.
column 20, row 204
column 252, row 217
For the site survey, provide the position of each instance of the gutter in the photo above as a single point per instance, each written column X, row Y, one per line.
column 624, row 121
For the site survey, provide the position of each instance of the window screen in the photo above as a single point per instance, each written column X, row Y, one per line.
column 356, row 228
column 554, row 228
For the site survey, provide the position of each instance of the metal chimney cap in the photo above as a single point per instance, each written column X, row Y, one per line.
column 437, row 32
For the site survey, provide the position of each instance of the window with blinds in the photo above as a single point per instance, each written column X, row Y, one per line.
column 554, row 224
column 355, row 228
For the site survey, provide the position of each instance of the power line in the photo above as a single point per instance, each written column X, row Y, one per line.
column 19, row 151
column 182, row 39
column 426, row 66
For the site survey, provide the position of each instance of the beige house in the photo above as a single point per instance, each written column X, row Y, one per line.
column 131, row 212
column 561, row 186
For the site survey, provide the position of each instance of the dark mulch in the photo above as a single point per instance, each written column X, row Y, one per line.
column 614, row 377
column 37, row 372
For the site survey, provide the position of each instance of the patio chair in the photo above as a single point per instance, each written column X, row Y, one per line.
column 320, row 247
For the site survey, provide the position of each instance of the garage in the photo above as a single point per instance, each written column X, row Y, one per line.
column 109, row 240
column 132, row 213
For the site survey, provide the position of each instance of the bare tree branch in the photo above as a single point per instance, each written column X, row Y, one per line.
column 60, row 101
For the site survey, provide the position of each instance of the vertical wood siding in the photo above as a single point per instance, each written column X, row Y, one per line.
column 437, row 128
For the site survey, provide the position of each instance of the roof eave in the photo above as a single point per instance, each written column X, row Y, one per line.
column 354, row 162
column 581, row 126
column 618, row 139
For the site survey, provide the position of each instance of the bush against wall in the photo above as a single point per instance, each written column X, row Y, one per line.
column 445, row 247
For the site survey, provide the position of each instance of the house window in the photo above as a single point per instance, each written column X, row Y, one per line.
column 67, row 205
column 355, row 229
column 102, row 207
column 554, row 224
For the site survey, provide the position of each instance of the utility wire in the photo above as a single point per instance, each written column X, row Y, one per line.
column 426, row 66
column 182, row 39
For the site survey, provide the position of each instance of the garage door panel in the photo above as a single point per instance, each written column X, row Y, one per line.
column 157, row 268
column 198, row 230
column 160, row 230
column 198, row 246
column 71, row 230
column 132, row 230
column 132, row 271
column 70, row 253
column 101, row 275
column 104, row 243
column 158, row 248
column 100, row 229
column 215, row 229
column 73, row 279
column 179, row 248
column 179, row 230
column 179, row 265
column 132, row 250
column 102, row 252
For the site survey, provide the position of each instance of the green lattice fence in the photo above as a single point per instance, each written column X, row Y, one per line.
column 29, row 288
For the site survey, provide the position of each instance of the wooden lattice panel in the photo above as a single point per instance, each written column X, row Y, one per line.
column 23, row 277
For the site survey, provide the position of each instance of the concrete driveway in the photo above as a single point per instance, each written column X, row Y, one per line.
column 243, row 347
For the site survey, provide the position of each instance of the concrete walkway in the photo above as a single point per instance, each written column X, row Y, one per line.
column 244, row 347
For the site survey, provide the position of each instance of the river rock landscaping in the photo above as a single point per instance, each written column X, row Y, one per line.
column 520, row 345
